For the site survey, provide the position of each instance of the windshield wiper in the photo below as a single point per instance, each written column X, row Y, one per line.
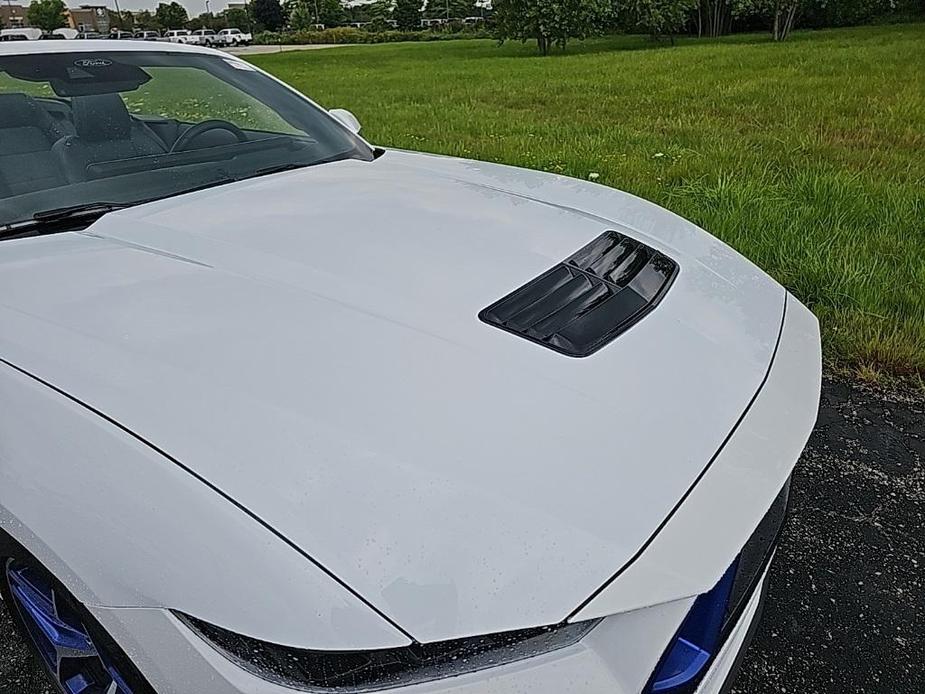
column 60, row 218
column 87, row 209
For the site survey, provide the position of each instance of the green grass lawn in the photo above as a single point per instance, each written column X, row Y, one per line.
column 808, row 156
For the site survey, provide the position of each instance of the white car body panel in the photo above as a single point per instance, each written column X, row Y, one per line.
column 289, row 374
column 90, row 45
column 335, row 379
column 741, row 483
column 160, row 537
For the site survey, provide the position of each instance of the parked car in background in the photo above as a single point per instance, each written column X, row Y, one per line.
column 90, row 35
column 236, row 37
column 147, row 35
column 21, row 34
column 119, row 34
column 13, row 36
column 177, row 35
column 206, row 37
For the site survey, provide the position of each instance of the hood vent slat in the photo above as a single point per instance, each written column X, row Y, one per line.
column 583, row 303
column 539, row 311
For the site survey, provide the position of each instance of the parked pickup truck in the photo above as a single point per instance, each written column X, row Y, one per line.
column 178, row 35
column 236, row 37
column 206, row 37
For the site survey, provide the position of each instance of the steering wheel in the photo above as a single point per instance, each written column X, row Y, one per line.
column 195, row 131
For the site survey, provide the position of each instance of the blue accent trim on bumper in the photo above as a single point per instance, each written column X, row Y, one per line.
column 62, row 641
column 696, row 642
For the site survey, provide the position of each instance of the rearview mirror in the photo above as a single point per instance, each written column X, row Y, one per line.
column 347, row 119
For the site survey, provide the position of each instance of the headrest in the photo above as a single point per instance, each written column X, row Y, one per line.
column 101, row 117
column 17, row 110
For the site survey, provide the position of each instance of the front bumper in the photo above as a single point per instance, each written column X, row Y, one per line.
column 617, row 657
column 176, row 661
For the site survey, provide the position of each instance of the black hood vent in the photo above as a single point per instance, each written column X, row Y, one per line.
column 580, row 305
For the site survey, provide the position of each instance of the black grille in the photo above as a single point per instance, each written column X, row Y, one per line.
column 373, row 670
column 755, row 556
column 580, row 305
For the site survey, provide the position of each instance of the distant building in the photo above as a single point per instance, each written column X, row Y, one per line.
column 13, row 16
column 237, row 6
column 89, row 18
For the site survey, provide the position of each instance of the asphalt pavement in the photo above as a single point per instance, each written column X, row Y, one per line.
column 845, row 613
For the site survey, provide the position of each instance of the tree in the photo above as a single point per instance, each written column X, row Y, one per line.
column 549, row 22
column 664, row 17
column 379, row 11
column 447, row 9
column 714, row 17
column 785, row 14
column 47, row 15
column 127, row 21
column 408, row 14
column 269, row 13
column 356, row 13
column 145, row 20
column 826, row 13
column 781, row 15
column 172, row 16
column 237, row 17
column 207, row 20
column 301, row 16
column 331, row 13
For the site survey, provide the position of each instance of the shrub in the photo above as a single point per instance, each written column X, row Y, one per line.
column 834, row 13
column 346, row 35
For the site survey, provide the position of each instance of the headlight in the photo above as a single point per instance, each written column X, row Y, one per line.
column 365, row 671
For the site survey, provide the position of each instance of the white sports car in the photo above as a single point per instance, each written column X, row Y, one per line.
column 284, row 411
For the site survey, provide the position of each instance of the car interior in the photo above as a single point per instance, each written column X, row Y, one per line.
column 48, row 142
column 82, row 128
column 28, row 134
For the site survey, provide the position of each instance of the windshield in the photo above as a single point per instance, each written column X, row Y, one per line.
column 121, row 127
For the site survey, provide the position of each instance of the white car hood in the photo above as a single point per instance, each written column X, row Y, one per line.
column 309, row 343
